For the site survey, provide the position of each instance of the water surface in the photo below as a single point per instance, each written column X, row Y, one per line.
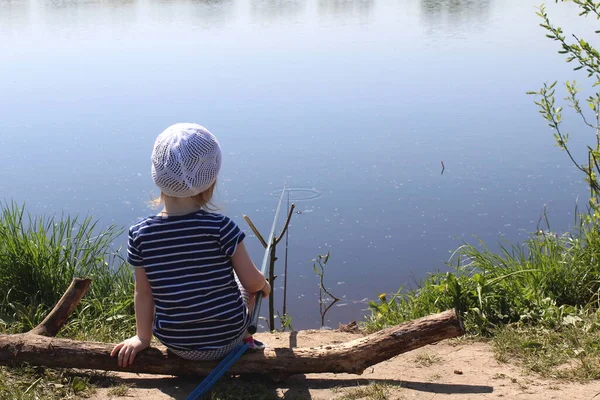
column 357, row 100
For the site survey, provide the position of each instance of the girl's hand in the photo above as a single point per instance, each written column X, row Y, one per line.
column 266, row 290
column 128, row 349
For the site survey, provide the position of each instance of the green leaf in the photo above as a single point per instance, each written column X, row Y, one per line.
column 373, row 305
column 78, row 385
column 530, row 344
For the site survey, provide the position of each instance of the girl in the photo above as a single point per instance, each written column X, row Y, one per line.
column 193, row 273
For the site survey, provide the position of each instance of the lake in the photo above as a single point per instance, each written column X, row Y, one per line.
column 354, row 103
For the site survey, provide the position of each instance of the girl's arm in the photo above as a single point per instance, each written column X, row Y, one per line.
column 144, row 306
column 144, row 315
column 250, row 277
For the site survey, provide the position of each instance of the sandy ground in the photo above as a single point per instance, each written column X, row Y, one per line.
column 449, row 369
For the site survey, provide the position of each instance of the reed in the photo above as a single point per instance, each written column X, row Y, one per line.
column 39, row 256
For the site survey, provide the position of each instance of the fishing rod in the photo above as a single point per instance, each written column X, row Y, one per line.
column 269, row 256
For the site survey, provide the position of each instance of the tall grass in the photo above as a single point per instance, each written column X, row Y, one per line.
column 541, row 280
column 39, row 256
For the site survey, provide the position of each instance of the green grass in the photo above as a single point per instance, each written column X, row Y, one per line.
column 373, row 391
column 540, row 281
column 537, row 301
column 118, row 391
column 39, row 256
column 571, row 351
column 32, row 383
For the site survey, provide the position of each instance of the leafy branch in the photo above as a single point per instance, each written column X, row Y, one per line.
column 584, row 55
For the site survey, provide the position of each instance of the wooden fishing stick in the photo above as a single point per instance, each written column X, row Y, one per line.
column 270, row 244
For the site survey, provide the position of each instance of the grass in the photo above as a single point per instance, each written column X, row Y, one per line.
column 427, row 359
column 32, row 383
column 373, row 391
column 537, row 301
column 540, row 281
column 435, row 377
column 39, row 256
column 118, row 391
column 38, row 259
column 571, row 351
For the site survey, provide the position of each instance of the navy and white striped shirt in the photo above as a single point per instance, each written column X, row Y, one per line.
column 187, row 260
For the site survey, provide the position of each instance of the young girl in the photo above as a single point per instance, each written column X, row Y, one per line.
column 192, row 271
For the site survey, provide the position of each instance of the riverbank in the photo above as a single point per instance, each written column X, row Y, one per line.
column 455, row 369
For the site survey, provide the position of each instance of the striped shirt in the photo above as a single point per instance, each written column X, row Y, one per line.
column 187, row 260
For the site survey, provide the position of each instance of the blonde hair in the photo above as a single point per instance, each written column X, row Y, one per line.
column 203, row 199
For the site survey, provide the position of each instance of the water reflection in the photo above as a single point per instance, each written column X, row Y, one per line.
column 208, row 13
column 342, row 8
column 58, row 4
column 277, row 10
column 14, row 14
column 69, row 13
column 213, row 12
column 455, row 13
column 214, row 3
column 75, row 18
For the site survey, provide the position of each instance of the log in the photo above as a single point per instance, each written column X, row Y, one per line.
column 55, row 320
column 349, row 357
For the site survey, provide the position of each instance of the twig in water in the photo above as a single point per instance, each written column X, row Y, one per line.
column 320, row 271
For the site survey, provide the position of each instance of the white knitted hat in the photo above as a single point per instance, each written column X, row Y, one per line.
column 186, row 160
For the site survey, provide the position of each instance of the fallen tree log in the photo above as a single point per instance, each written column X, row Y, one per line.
column 55, row 320
column 277, row 362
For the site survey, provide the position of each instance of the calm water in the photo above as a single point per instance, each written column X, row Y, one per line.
column 358, row 100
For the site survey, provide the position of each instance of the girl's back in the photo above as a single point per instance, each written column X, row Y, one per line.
column 187, row 260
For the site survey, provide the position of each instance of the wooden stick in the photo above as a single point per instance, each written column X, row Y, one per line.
column 287, row 223
column 256, row 232
column 349, row 357
column 55, row 320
